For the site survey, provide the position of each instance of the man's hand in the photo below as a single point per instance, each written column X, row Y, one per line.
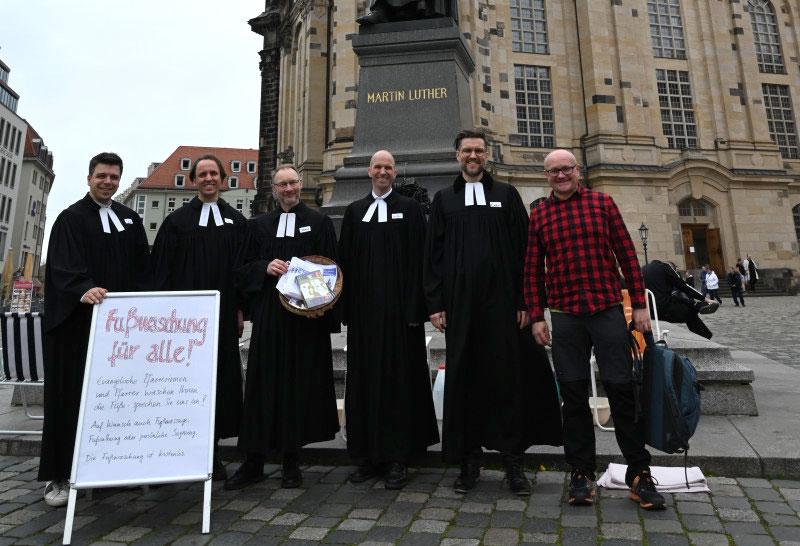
column 523, row 319
column 277, row 267
column 240, row 321
column 641, row 320
column 439, row 320
column 541, row 332
column 94, row 295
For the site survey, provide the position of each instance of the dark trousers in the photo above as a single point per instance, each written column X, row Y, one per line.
column 753, row 282
column 713, row 293
column 573, row 339
column 736, row 294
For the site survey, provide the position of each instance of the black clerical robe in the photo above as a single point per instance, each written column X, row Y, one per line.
column 289, row 394
column 389, row 408
column 499, row 392
column 80, row 256
column 187, row 256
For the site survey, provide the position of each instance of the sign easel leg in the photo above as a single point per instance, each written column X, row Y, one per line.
column 73, row 495
column 207, row 507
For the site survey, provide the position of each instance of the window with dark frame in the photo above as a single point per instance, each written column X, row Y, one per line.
column 666, row 29
column 796, row 216
column 534, row 98
column 186, row 164
column 677, row 108
column 780, row 118
column 233, row 182
column 180, row 180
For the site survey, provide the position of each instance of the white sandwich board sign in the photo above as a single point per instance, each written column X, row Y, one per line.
column 147, row 407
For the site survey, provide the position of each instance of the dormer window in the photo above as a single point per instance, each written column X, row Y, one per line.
column 233, row 182
column 236, row 166
column 251, row 167
column 180, row 180
column 186, row 164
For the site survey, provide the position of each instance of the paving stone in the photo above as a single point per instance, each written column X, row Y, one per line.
column 623, row 531
column 460, row 542
column 344, row 537
column 762, row 494
column 333, row 510
column 230, row 539
column 540, row 526
column 702, row 508
column 539, row 538
column 289, row 518
column 246, row 526
column 752, row 540
column 468, row 519
column 718, row 480
column 365, row 513
column 375, row 543
column 309, row 533
column 410, row 496
column 693, row 497
column 506, row 519
column 476, row 508
column 727, row 491
column 58, row 528
column 428, row 526
column 386, row 534
column 578, row 537
column 501, row 537
column 575, row 520
column 443, row 514
column 790, row 493
column 240, row 505
column 419, row 539
column 188, row 518
column 19, row 517
column 456, row 531
column 742, row 503
column 660, row 526
column 351, row 524
column 511, row 505
column 702, row 523
column 666, row 540
column 321, row 521
column 744, row 528
column 733, row 514
column 287, row 494
column 394, row 519
column 261, row 513
column 767, row 507
column 785, row 533
column 754, row 482
column 550, row 477
column 628, row 514
column 551, row 511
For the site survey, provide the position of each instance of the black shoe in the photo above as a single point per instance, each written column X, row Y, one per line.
column 364, row 472
column 515, row 476
column 707, row 307
column 251, row 471
column 581, row 488
column 292, row 478
column 397, row 477
column 643, row 491
column 373, row 17
column 470, row 471
column 219, row 474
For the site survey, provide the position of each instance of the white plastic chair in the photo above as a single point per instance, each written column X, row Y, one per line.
column 23, row 358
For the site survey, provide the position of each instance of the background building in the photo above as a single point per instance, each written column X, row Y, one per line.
column 167, row 185
column 12, row 139
column 683, row 110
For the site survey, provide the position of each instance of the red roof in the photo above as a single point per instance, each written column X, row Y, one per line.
column 31, row 134
column 163, row 177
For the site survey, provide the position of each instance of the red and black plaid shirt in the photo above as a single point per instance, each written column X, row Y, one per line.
column 582, row 239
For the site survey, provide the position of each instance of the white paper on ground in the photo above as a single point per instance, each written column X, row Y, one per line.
column 668, row 479
column 287, row 284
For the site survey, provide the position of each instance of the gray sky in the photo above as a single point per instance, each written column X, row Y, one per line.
column 138, row 78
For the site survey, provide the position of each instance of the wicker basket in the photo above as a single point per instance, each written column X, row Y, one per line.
column 316, row 311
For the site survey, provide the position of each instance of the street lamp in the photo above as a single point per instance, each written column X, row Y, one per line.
column 643, row 236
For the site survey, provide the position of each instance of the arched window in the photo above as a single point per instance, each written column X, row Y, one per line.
column 529, row 27
column 796, row 215
column 693, row 207
column 666, row 29
column 766, row 37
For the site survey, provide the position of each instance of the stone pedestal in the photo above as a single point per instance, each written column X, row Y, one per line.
column 413, row 97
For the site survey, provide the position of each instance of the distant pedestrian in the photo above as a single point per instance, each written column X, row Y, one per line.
column 703, row 274
column 712, row 285
column 740, row 267
column 736, row 284
column 752, row 270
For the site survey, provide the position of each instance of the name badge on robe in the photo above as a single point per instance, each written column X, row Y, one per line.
column 305, row 229
column 228, row 221
column 397, row 216
column 495, row 204
column 128, row 220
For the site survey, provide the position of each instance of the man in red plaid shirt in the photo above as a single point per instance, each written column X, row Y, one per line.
column 580, row 235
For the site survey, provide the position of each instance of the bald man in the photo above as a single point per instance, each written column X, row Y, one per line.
column 389, row 409
column 581, row 235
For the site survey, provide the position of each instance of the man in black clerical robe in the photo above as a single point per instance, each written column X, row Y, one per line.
column 196, row 249
column 289, row 396
column 500, row 393
column 389, row 408
column 384, row 11
column 96, row 245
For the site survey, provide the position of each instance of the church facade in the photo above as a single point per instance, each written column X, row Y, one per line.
column 685, row 111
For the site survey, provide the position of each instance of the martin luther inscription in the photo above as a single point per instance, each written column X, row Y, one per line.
column 400, row 95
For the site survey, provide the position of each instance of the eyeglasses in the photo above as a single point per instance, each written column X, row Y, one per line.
column 470, row 151
column 283, row 185
column 566, row 171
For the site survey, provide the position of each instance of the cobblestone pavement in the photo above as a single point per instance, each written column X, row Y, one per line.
column 329, row 510
column 769, row 326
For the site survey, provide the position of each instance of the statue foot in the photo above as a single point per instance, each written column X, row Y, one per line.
column 373, row 18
